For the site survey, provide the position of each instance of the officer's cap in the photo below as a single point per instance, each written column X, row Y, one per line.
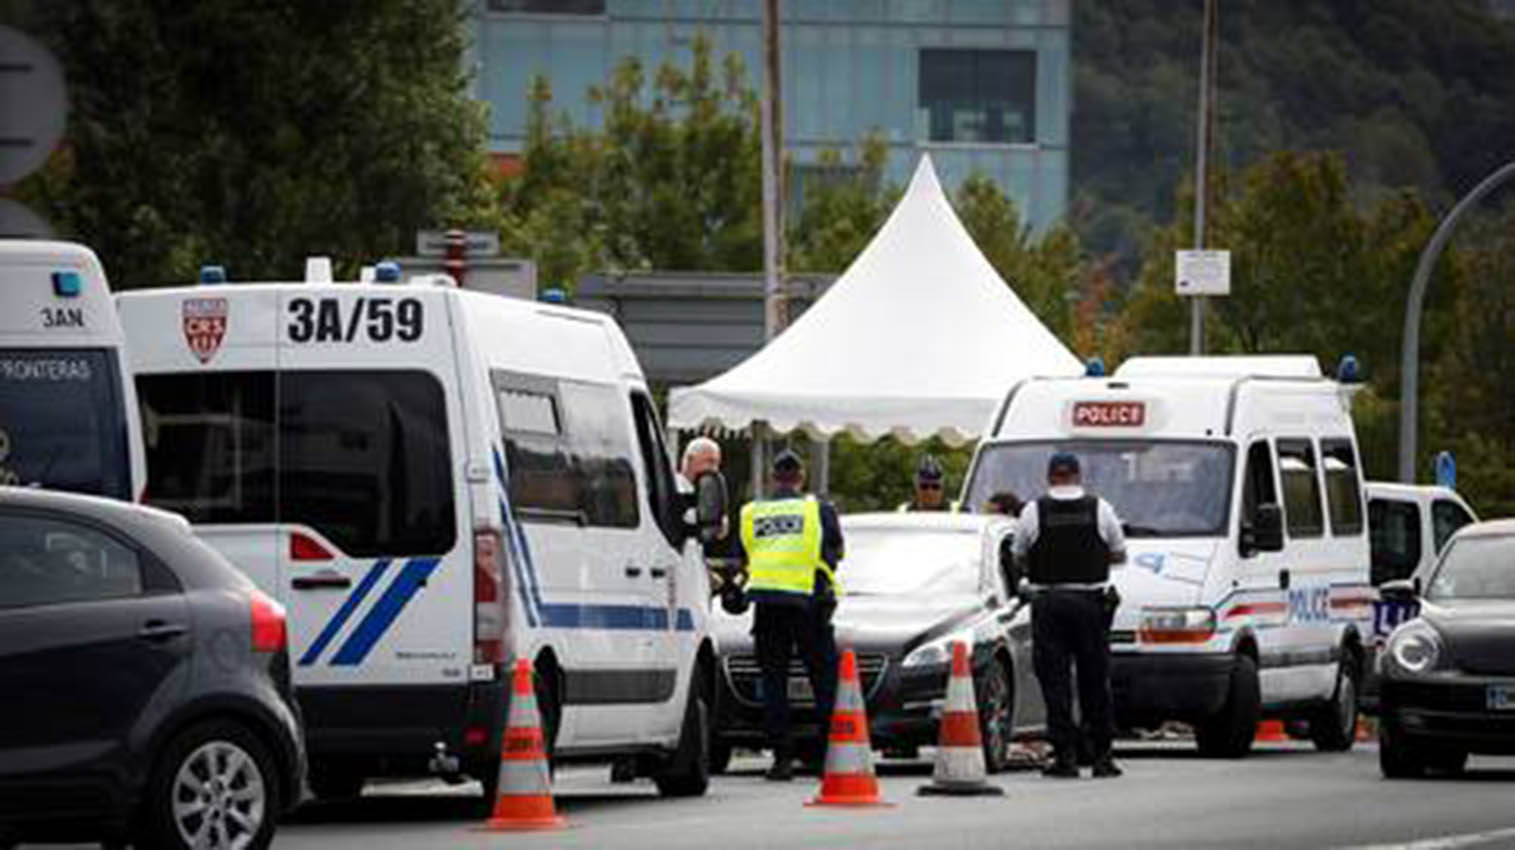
column 787, row 463
column 929, row 469
column 1062, row 463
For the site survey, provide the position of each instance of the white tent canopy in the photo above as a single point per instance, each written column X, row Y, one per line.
column 918, row 338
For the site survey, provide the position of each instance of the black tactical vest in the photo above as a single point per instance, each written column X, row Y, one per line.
column 1068, row 548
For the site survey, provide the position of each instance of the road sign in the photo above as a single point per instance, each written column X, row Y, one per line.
column 1202, row 272
column 477, row 243
column 17, row 221
column 33, row 105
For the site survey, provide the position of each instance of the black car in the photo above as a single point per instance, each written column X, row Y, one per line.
column 1448, row 675
column 914, row 582
column 144, row 682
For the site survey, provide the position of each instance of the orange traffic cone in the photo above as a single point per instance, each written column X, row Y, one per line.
column 848, row 779
column 1367, row 729
column 960, row 753
column 1270, row 731
column 524, row 798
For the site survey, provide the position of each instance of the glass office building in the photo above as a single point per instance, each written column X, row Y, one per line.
column 983, row 85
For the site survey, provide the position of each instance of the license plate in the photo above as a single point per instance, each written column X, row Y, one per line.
column 800, row 691
column 1501, row 698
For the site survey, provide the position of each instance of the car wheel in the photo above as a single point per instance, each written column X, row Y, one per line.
column 1398, row 758
column 335, row 784
column 996, row 715
column 689, row 773
column 1448, row 761
column 1229, row 733
column 214, row 787
column 1333, row 727
column 720, row 756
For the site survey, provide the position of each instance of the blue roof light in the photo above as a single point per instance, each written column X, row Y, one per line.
column 67, row 284
column 212, row 274
column 553, row 296
column 1348, row 371
column 1094, row 367
column 1446, row 470
column 387, row 272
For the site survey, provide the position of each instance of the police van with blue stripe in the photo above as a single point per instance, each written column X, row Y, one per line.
column 67, row 409
column 435, row 482
column 1246, row 590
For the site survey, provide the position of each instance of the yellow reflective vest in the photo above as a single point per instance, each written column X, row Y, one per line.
column 783, row 542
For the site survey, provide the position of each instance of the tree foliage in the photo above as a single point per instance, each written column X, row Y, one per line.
column 254, row 133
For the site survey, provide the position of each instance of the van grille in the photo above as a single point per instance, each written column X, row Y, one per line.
column 743, row 673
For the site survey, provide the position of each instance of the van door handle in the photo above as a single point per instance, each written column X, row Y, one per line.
column 158, row 630
column 329, row 579
column 1283, row 579
column 658, row 572
column 633, row 572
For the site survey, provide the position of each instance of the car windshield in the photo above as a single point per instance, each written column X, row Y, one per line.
column 900, row 562
column 62, row 422
column 1476, row 568
column 1158, row 488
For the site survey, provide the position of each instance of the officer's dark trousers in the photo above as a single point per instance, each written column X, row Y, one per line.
column 780, row 631
column 1069, row 626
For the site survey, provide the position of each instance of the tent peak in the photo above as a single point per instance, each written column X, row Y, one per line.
column 924, row 180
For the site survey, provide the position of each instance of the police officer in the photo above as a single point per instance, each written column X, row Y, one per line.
column 791, row 543
column 1065, row 545
column 930, row 488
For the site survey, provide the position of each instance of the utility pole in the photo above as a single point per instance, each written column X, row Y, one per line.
column 775, row 312
column 1203, row 135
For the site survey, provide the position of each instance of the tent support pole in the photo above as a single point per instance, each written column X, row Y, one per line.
column 820, row 462
column 759, row 462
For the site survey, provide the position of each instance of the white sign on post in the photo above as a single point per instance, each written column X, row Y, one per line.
column 33, row 105
column 476, row 243
column 1202, row 272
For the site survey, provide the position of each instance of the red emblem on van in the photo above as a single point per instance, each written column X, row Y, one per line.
column 204, row 326
column 1109, row 414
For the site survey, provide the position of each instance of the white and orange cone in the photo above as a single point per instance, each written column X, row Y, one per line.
column 1271, row 732
column 849, row 779
column 960, row 766
column 524, row 798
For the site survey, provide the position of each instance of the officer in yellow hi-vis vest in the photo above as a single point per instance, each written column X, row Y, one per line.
column 791, row 543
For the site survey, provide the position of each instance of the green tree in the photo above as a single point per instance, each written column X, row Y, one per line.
column 255, row 133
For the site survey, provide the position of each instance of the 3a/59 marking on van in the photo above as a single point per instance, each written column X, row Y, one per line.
column 380, row 319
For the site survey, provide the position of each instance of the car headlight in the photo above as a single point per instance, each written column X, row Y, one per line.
column 1176, row 625
column 938, row 652
column 1415, row 648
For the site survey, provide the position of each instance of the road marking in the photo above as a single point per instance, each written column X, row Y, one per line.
column 1446, row 842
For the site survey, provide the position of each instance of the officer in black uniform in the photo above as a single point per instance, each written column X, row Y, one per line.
column 1065, row 544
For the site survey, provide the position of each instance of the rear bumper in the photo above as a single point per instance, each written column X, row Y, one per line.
column 1447, row 713
column 1150, row 689
column 394, row 730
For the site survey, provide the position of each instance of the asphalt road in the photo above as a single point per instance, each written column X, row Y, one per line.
column 1284, row 796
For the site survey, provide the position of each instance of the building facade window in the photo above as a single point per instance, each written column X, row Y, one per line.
column 978, row 95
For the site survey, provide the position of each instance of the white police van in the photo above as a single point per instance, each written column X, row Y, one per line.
column 434, row 482
column 67, row 408
column 1246, row 589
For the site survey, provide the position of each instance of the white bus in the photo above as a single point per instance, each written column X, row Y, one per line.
column 67, row 411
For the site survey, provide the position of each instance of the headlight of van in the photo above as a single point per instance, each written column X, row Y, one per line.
column 1414, row 648
column 1176, row 625
column 938, row 653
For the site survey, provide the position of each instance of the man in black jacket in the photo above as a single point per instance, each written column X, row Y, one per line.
column 1065, row 544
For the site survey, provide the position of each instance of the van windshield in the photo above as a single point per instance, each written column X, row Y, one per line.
column 62, row 421
column 1158, row 488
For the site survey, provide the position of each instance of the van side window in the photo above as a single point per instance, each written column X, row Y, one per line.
column 662, row 492
column 1446, row 517
column 1296, row 467
column 1343, row 494
column 1393, row 538
column 1257, row 487
column 567, row 451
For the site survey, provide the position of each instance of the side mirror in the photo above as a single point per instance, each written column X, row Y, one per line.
column 709, row 504
column 1268, row 528
column 1399, row 590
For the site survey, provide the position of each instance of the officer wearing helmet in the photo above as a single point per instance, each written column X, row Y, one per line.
column 930, row 488
column 791, row 543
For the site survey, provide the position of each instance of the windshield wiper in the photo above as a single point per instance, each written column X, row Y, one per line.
column 1141, row 530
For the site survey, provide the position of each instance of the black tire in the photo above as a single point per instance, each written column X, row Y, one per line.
column 688, row 775
column 1451, row 762
column 335, row 784
column 720, row 756
column 233, row 771
column 1333, row 727
column 1398, row 758
column 996, row 715
column 1229, row 733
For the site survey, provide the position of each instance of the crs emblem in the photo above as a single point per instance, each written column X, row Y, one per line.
column 204, row 326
